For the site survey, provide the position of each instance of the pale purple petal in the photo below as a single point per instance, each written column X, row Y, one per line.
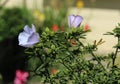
column 74, row 21
column 23, row 37
column 28, row 37
column 27, row 29
column 70, row 20
column 34, row 38
column 27, row 45
column 77, row 21
column 33, row 28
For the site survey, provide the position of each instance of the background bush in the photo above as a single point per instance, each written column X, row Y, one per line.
column 12, row 21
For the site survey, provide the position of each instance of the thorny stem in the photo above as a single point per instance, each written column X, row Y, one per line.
column 46, row 71
column 115, row 55
column 97, row 60
column 48, row 74
column 79, row 71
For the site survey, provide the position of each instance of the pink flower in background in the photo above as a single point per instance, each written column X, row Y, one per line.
column 21, row 77
column 28, row 37
column 74, row 21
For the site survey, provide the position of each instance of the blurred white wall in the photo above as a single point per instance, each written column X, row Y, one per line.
column 100, row 21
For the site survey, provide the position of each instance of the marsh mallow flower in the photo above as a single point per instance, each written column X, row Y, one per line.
column 28, row 37
column 21, row 77
column 74, row 21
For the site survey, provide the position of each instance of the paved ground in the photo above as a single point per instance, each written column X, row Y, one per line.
column 100, row 21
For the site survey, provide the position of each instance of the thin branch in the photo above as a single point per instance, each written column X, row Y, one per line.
column 115, row 55
column 97, row 60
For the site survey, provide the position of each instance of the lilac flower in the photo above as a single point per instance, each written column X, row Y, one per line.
column 74, row 21
column 28, row 37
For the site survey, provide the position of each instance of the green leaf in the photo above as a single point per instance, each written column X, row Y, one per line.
column 73, row 48
column 33, row 63
column 109, row 33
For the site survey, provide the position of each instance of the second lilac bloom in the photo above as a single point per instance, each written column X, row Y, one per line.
column 74, row 21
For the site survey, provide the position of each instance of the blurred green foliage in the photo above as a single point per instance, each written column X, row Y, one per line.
column 52, row 17
column 12, row 20
column 55, row 17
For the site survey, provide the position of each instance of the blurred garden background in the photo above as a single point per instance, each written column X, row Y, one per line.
column 100, row 16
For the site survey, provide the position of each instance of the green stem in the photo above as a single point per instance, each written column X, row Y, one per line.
column 48, row 74
column 79, row 78
column 115, row 55
column 98, row 60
